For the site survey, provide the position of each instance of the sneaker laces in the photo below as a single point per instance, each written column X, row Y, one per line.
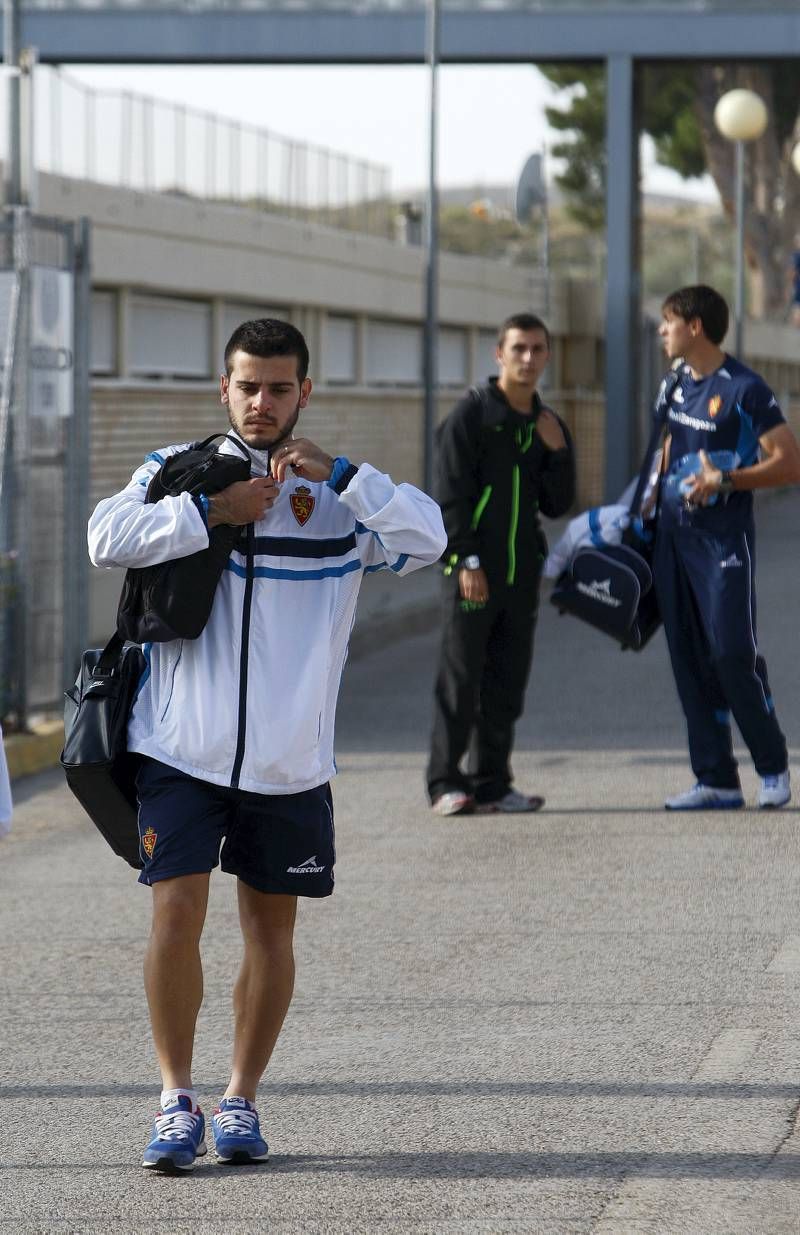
column 175, row 1126
column 237, row 1123
column 772, row 782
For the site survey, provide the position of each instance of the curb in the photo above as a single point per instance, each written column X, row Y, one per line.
column 27, row 753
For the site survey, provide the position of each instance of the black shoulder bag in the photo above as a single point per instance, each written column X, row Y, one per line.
column 611, row 586
column 168, row 601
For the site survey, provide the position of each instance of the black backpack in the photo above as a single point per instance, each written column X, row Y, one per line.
column 173, row 599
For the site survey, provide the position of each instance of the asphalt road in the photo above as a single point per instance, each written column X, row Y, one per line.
column 579, row 1021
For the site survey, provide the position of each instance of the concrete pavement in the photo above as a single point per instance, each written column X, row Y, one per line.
column 579, row 1021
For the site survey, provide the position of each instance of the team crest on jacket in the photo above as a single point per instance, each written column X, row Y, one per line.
column 714, row 404
column 302, row 504
column 149, row 839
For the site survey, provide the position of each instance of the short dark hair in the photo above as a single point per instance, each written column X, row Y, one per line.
column 703, row 302
column 268, row 336
column 522, row 321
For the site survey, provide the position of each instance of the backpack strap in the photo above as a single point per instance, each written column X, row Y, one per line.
column 660, row 413
column 108, row 665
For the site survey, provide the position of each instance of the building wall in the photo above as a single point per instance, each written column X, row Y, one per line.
column 383, row 427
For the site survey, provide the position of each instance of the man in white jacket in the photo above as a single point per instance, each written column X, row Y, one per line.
column 236, row 727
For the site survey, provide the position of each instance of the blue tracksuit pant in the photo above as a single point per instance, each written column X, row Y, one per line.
column 706, row 591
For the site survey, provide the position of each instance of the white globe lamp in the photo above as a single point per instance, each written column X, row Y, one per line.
column 796, row 158
column 741, row 116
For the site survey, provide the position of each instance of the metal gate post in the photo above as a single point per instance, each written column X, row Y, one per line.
column 622, row 296
column 76, row 464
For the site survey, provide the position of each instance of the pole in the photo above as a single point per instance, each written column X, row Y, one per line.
column 13, row 174
column 739, row 295
column 545, row 234
column 430, row 375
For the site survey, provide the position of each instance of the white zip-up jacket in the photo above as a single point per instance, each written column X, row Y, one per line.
column 251, row 702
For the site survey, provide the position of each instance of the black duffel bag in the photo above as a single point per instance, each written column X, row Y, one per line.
column 99, row 768
column 611, row 588
column 173, row 600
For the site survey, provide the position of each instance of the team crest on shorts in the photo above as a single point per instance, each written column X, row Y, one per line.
column 149, row 839
column 714, row 404
column 302, row 504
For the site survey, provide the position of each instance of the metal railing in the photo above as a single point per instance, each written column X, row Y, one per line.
column 141, row 143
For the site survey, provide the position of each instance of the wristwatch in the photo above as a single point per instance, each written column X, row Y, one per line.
column 726, row 482
column 471, row 562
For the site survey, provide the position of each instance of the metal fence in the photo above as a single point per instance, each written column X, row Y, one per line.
column 44, row 297
column 136, row 142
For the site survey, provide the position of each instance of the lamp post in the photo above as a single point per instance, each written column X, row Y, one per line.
column 741, row 116
column 431, row 333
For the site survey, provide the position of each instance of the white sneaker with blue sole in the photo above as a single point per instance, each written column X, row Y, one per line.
column 706, row 797
column 775, row 791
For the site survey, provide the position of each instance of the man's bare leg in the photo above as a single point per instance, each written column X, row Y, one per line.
column 173, row 975
column 264, row 987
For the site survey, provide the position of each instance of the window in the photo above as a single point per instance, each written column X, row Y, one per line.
column 485, row 363
column 453, row 357
column 234, row 314
column 103, row 343
column 394, row 353
column 169, row 337
column 339, row 362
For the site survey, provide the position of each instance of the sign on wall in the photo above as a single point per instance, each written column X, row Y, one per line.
column 51, row 342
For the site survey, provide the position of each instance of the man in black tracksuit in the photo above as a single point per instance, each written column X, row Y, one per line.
column 503, row 457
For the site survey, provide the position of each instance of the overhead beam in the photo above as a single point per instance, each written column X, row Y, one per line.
column 322, row 36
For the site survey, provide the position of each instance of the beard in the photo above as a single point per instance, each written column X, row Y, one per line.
column 259, row 440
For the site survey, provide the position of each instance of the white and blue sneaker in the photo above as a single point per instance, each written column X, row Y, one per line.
column 706, row 797
column 775, row 791
column 237, row 1135
column 178, row 1137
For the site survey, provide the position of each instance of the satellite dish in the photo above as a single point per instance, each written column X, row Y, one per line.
column 531, row 188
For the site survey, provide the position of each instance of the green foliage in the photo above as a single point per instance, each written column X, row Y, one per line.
column 584, row 177
column 785, row 98
column 500, row 237
column 670, row 103
column 668, row 115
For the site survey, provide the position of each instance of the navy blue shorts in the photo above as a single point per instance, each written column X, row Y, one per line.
column 281, row 843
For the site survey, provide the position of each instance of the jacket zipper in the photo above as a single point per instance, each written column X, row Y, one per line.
column 523, row 446
column 513, row 525
column 243, row 660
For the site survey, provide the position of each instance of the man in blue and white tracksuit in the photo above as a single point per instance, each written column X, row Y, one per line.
column 727, row 437
column 235, row 728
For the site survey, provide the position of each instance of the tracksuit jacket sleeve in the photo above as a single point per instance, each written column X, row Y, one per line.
column 402, row 526
column 459, row 479
column 124, row 531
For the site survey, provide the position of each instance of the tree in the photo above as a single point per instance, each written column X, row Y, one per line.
column 677, row 111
